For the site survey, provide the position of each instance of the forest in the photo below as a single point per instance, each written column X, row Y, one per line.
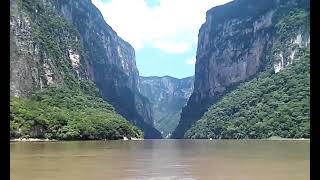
column 58, row 112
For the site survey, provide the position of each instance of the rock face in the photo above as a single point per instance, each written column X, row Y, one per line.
column 236, row 42
column 112, row 63
column 39, row 58
column 53, row 41
column 167, row 95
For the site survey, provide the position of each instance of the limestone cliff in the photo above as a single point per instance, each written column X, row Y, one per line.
column 57, row 42
column 43, row 50
column 112, row 63
column 238, row 40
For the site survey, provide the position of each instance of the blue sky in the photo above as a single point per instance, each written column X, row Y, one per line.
column 163, row 32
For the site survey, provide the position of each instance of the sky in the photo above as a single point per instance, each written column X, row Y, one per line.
column 164, row 33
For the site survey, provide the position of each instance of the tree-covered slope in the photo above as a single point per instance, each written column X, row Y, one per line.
column 272, row 104
column 166, row 121
column 59, row 112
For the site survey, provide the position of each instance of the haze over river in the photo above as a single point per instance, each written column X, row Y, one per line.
column 161, row 160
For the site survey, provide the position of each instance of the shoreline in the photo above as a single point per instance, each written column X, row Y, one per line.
column 288, row 139
column 54, row 140
column 32, row 140
column 139, row 139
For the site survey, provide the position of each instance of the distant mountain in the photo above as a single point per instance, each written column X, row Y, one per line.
column 167, row 95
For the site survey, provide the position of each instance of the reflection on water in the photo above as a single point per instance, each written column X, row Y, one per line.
column 160, row 159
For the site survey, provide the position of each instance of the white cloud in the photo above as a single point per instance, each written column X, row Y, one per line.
column 171, row 47
column 140, row 25
column 191, row 61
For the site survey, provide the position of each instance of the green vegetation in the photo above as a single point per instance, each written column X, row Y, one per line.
column 62, row 113
column 269, row 105
column 289, row 24
column 292, row 16
column 166, row 121
column 54, row 35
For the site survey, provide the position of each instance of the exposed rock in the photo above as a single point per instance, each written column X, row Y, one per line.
column 285, row 57
column 37, row 131
column 33, row 63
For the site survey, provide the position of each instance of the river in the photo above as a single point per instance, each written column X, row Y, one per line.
column 161, row 160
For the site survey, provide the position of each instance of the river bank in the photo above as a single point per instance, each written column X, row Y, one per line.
column 54, row 140
column 31, row 140
column 138, row 139
column 289, row 139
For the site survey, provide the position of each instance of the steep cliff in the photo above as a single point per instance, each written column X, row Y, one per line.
column 238, row 40
column 112, row 63
column 167, row 95
column 44, row 49
column 61, row 42
column 270, row 105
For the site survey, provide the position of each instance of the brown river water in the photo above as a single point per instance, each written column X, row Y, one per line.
column 161, row 160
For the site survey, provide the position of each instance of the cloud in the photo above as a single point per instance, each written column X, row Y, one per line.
column 171, row 47
column 191, row 61
column 141, row 25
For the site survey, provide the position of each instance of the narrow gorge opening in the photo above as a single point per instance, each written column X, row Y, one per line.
column 165, row 44
column 168, row 95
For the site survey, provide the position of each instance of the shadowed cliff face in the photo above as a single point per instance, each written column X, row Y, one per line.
column 85, row 47
column 167, row 95
column 236, row 42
